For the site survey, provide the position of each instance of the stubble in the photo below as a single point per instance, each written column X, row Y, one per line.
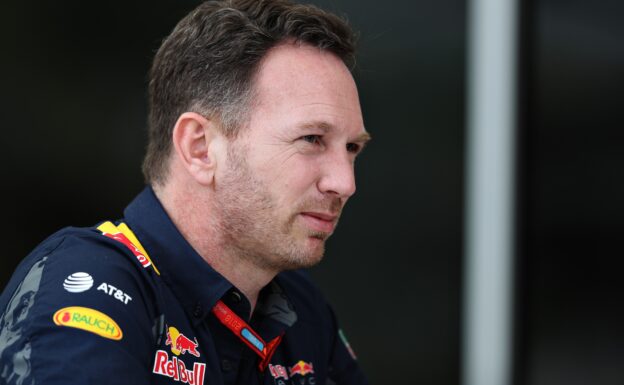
column 252, row 228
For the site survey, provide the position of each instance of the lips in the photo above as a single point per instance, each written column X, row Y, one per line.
column 322, row 222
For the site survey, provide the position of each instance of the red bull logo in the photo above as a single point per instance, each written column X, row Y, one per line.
column 122, row 233
column 180, row 344
column 143, row 260
column 301, row 368
column 176, row 369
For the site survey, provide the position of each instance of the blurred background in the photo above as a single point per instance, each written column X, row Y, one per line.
column 74, row 116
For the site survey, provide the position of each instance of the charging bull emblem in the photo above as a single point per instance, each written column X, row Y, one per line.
column 180, row 344
column 301, row 368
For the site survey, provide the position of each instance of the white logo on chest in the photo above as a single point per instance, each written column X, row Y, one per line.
column 114, row 292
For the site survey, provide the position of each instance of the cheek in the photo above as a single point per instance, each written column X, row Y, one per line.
column 294, row 182
column 289, row 168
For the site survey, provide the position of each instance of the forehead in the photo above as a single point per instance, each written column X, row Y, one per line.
column 298, row 82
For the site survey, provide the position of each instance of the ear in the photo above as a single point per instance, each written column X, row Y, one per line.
column 197, row 143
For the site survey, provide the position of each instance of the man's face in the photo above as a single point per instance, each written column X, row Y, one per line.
column 290, row 170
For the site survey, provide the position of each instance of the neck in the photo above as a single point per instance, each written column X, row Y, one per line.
column 197, row 223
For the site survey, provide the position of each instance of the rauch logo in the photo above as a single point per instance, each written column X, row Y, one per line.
column 89, row 320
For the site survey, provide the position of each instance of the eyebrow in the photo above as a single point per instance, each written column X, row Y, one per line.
column 363, row 138
column 322, row 125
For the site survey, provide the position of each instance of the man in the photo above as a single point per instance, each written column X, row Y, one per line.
column 255, row 125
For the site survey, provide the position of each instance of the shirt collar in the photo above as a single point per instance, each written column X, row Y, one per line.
column 194, row 282
column 274, row 312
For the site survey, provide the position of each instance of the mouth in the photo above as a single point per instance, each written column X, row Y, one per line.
column 320, row 222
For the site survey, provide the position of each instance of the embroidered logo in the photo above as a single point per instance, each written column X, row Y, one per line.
column 301, row 368
column 78, row 282
column 122, row 233
column 114, row 292
column 89, row 320
column 81, row 282
column 176, row 369
column 181, row 344
column 143, row 260
column 347, row 344
column 278, row 371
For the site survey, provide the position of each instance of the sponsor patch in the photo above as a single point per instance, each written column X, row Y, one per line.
column 89, row 320
column 278, row 371
column 346, row 344
column 181, row 344
column 143, row 260
column 81, row 282
column 114, row 292
column 301, row 368
column 176, row 369
column 125, row 236
column 78, row 282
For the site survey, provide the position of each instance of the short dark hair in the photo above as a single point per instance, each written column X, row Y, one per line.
column 207, row 64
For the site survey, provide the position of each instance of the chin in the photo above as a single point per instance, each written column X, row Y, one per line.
column 305, row 256
column 301, row 264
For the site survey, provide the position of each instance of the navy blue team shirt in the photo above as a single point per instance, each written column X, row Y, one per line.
column 83, row 309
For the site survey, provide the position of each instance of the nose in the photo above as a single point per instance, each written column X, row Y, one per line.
column 338, row 177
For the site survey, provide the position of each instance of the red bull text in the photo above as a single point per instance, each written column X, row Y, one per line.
column 176, row 369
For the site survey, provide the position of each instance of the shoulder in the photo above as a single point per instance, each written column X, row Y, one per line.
column 79, row 268
column 77, row 292
column 67, row 259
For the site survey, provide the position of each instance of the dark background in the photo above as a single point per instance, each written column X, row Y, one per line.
column 571, row 259
column 73, row 113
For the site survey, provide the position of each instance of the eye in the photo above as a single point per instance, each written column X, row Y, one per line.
column 313, row 139
column 353, row 148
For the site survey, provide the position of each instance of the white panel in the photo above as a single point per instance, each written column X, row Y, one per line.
column 489, row 243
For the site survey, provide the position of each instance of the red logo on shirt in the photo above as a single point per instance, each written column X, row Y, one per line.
column 176, row 369
column 278, row 371
column 180, row 343
column 143, row 260
column 301, row 368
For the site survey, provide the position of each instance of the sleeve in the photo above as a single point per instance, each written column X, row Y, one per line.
column 343, row 367
column 78, row 314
